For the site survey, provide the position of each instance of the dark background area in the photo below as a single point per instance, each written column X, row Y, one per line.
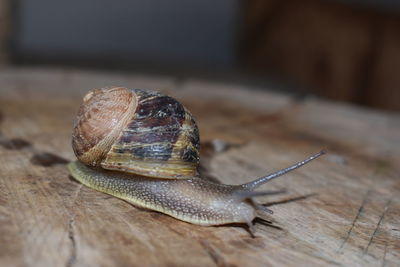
column 341, row 50
column 177, row 33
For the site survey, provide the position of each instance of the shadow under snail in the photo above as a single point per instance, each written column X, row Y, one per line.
column 143, row 147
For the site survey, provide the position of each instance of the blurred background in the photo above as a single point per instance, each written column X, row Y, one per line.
column 345, row 50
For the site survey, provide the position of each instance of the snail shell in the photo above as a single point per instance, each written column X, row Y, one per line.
column 136, row 131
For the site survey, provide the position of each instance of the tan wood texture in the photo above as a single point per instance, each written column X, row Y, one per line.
column 343, row 209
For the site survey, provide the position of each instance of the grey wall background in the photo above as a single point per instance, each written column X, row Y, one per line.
column 171, row 33
column 190, row 34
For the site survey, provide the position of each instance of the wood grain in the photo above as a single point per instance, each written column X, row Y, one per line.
column 342, row 209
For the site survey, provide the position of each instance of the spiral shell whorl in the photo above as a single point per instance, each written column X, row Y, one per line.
column 157, row 136
column 101, row 117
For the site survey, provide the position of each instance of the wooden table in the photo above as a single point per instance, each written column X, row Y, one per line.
column 342, row 209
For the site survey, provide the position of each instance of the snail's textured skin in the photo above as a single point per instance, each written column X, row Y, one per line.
column 136, row 131
column 192, row 200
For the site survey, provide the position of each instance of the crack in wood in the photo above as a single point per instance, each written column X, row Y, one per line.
column 384, row 255
column 72, row 257
column 214, row 255
column 46, row 159
column 71, row 234
column 14, row 143
column 359, row 212
column 377, row 225
column 76, row 194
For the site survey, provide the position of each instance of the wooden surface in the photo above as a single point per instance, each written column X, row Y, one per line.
column 343, row 209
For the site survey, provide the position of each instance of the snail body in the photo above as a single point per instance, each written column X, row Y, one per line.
column 193, row 200
column 143, row 147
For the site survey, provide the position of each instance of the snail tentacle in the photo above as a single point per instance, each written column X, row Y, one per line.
column 260, row 181
column 263, row 208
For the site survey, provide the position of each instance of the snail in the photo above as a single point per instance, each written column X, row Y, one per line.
column 143, row 147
